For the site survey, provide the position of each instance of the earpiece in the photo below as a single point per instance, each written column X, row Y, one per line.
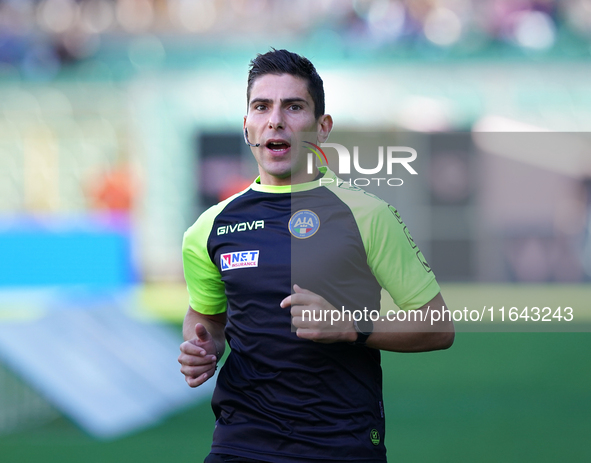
column 246, row 139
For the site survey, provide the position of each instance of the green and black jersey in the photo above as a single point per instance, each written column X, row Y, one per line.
column 278, row 397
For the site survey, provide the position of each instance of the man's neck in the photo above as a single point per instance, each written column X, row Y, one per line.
column 302, row 177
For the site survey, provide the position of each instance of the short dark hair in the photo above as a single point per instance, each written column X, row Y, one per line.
column 285, row 62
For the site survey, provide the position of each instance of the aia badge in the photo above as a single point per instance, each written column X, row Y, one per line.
column 240, row 259
column 304, row 224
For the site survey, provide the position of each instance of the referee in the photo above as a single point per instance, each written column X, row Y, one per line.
column 274, row 270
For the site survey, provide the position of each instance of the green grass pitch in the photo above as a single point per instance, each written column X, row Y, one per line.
column 492, row 397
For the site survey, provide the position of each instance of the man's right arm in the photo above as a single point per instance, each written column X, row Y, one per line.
column 203, row 347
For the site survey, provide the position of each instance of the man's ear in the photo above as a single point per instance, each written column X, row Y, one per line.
column 244, row 124
column 324, row 127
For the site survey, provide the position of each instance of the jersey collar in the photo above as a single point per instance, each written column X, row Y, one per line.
column 327, row 174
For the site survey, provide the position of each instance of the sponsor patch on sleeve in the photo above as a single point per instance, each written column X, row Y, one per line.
column 240, row 259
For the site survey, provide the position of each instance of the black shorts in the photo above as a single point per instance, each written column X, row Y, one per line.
column 223, row 458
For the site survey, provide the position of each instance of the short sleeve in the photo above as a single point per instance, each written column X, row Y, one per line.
column 206, row 288
column 396, row 260
column 392, row 255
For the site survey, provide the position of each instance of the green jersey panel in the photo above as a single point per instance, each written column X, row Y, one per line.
column 204, row 282
column 395, row 259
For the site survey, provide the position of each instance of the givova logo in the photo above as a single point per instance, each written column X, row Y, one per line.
column 240, row 227
column 240, row 259
column 374, row 436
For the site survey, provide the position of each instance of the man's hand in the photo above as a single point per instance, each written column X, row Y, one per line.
column 304, row 304
column 198, row 357
column 398, row 336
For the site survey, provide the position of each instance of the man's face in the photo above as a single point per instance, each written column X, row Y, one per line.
column 279, row 111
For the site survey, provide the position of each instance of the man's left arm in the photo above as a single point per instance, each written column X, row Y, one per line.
column 432, row 329
column 425, row 329
column 401, row 269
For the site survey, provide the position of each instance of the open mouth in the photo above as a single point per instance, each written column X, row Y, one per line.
column 277, row 145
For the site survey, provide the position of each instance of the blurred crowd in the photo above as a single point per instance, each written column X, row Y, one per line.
column 47, row 34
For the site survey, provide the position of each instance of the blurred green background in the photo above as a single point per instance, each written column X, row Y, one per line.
column 120, row 122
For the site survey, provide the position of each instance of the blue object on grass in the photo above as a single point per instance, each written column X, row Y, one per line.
column 87, row 250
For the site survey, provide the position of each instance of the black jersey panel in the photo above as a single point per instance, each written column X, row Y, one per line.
column 333, row 262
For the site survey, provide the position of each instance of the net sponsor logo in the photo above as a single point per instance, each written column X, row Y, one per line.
column 240, row 259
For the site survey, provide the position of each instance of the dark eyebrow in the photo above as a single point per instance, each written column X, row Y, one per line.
column 260, row 100
column 285, row 101
column 294, row 100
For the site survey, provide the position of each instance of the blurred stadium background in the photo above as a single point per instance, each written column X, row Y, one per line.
column 119, row 119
